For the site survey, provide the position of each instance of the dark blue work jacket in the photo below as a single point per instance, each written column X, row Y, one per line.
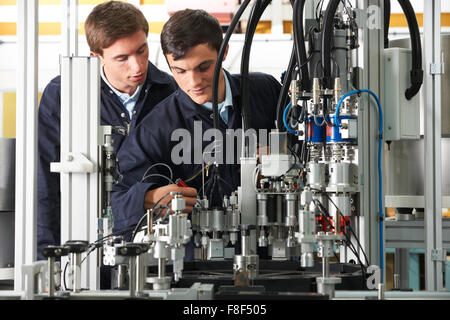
column 151, row 143
column 157, row 87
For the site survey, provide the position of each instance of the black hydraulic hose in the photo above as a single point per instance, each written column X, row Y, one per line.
column 281, row 104
column 416, row 46
column 327, row 34
column 255, row 16
column 387, row 19
column 244, row 86
column 223, row 47
column 284, row 92
column 218, row 67
column 299, row 44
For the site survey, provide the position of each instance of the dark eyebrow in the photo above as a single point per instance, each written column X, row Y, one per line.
column 176, row 68
column 199, row 66
column 142, row 47
column 126, row 55
column 205, row 62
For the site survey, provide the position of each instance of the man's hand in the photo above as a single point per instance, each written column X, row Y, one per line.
column 153, row 196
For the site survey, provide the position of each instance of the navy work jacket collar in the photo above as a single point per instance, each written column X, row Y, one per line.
column 192, row 109
column 154, row 75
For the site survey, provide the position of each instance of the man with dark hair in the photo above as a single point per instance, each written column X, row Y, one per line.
column 190, row 41
column 130, row 87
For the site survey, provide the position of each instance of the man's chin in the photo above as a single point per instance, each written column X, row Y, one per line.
column 200, row 100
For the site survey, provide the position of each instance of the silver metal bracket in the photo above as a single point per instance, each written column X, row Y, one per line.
column 73, row 162
column 439, row 255
column 437, row 68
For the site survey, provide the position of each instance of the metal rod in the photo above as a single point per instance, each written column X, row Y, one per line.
column 150, row 222
column 132, row 272
column 325, row 267
column 76, row 272
column 161, row 268
column 140, row 273
column 245, row 245
column 121, row 272
column 337, row 223
column 51, row 276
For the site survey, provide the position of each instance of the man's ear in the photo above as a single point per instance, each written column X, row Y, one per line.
column 94, row 54
column 226, row 52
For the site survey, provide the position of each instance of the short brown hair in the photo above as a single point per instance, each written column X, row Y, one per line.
column 110, row 21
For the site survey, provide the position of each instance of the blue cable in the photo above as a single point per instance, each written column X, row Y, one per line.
column 285, row 121
column 380, row 177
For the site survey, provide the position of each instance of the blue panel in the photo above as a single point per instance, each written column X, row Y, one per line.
column 334, row 134
column 316, row 134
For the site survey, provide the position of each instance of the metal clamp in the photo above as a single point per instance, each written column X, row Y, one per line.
column 73, row 162
column 437, row 68
column 439, row 255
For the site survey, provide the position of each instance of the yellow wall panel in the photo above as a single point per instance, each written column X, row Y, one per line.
column 264, row 27
column 94, row 2
column 49, row 2
column 287, row 27
column 8, row 29
column 81, row 2
column 152, row 1
column 49, row 28
column 45, row 28
column 445, row 19
column 399, row 20
column 81, row 28
column 7, row 2
column 9, row 113
column 155, row 27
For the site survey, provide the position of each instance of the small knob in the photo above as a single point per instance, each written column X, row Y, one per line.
column 132, row 249
column 77, row 246
column 55, row 251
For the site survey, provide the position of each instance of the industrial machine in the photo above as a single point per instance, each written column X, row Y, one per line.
column 307, row 220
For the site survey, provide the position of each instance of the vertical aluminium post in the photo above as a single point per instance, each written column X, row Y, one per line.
column 26, row 138
column 433, row 165
column 371, row 64
column 80, row 137
column 69, row 27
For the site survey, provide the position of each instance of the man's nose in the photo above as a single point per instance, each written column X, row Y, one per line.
column 136, row 65
column 195, row 79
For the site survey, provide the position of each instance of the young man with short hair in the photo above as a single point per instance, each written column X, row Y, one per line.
column 190, row 40
column 130, row 87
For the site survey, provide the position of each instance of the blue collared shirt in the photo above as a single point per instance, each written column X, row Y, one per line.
column 228, row 102
column 129, row 102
